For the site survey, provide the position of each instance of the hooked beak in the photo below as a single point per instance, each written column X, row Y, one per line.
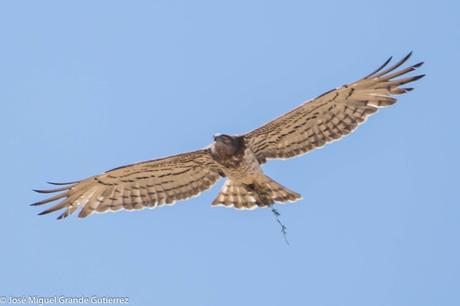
column 215, row 136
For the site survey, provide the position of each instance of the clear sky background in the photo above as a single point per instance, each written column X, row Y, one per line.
column 90, row 85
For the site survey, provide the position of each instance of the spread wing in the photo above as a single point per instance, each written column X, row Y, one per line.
column 330, row 116
column 143, row 185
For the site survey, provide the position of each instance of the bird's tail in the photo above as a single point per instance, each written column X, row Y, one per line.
column 261, row 193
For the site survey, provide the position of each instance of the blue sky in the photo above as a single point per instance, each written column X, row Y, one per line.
column 91, row 85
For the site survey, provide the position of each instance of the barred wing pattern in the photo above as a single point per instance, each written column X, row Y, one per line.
column 330, row 116
column 143, row 185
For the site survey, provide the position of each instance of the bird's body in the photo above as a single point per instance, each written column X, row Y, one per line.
column 236, row 158
column 247, row 186
column 311, row 125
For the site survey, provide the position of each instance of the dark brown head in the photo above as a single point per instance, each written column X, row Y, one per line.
column 225, row 145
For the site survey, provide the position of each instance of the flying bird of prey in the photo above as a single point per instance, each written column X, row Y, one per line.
column 238, row 158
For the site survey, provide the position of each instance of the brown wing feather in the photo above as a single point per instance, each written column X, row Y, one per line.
column 146, row 184
column 331, row 115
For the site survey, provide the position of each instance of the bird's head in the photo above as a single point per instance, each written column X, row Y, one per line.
column 223, row 139
column 226, row 144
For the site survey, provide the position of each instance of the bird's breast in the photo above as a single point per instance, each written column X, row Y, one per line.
column 240, row 166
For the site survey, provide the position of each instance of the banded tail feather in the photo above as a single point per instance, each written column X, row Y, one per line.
column 263, row 192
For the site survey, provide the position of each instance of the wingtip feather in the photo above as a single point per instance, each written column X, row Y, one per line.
column 379, row 68
column 418, row 77
column 408, row 55
column 50, row 190
column 63, row 183
column 63, row 215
